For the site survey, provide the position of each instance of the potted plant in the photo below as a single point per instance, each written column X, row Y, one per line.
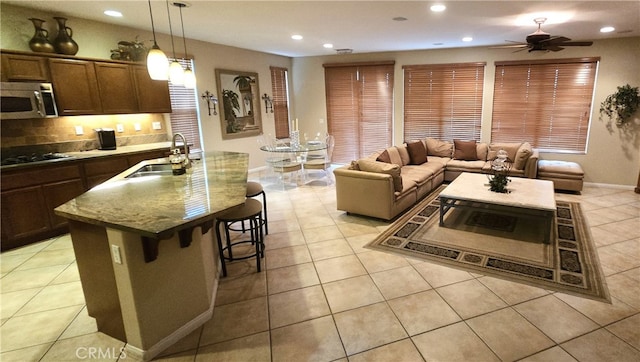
column 621, row 105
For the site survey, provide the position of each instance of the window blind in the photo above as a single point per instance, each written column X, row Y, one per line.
column 359, row 108
column 280, row 101
column 184, row 115
column 547, row 103
column 443, row 101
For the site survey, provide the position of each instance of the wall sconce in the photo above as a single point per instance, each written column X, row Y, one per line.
column 268, row 104
column 211, row 99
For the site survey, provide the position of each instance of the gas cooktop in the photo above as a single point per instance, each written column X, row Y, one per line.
column 35, row 157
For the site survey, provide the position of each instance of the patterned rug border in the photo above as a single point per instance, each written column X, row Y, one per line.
column 576, row 268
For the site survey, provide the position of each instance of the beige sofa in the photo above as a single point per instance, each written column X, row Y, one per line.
column 388, row 182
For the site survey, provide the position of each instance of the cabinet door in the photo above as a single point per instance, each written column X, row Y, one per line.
column 153, row 95
column 23, row 214
column 101, row 170
column 75, row 87
column 117, row 88
column 139, row 157
column 24, row 68
column 58, row 193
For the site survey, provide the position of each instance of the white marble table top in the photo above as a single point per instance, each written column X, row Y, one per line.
column 525, row 192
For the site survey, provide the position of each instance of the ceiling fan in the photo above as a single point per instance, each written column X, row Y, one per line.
column 541, row 41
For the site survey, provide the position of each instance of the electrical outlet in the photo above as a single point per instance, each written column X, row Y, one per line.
column 321, row 120
column 115, row 250
column 156, row 125
column 137, row 127
column 119, row 128
column 79, row 131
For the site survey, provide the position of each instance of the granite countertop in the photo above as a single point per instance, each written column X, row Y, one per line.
column 157, row 206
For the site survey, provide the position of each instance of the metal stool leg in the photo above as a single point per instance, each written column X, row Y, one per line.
column 220, row 251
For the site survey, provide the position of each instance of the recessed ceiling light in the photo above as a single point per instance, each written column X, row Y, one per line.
column 467, row 38
column 114, row 13
column 438, row 8
column 296, row 37
column 328, row 45
column 607, row 29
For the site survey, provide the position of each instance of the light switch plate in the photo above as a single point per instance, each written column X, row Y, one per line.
column 119, row 128
column 79, row 131
column 156, row 125
column 137, row 127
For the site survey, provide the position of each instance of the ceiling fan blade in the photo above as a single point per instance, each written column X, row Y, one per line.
column 555, row 40
column 553, row 48
column 577, row 43
column 509, row 46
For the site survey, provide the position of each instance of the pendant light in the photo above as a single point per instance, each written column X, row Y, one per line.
column 189, row 75
column 176, row 73
column 157, row 62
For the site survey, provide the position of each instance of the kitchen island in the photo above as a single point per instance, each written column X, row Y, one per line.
column 146, row 252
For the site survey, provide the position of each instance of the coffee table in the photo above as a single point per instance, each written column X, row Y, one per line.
column 528, row 198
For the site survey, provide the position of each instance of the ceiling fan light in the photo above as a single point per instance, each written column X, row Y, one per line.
column 607, row 29
column 157, row 64
column 176, row 73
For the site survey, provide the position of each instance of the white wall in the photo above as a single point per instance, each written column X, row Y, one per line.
column 611, row 158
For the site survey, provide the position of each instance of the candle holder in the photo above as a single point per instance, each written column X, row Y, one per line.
column 294, row 139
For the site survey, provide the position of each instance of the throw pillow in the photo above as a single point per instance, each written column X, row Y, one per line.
column 417, row 152
column 465, row 150
column 384, row 157
column 523, row 154
column 404, row 154
column 354, row 166
column 439, row 148
column 382, row 167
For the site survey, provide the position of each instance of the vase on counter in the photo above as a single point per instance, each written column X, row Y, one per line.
column 63, row 43
column 39, row 42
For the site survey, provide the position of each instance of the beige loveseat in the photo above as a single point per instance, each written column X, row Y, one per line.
column 388, row 182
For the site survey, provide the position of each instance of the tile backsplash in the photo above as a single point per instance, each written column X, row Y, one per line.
column 59, row 134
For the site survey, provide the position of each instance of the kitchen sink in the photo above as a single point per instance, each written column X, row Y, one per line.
column 156, row 169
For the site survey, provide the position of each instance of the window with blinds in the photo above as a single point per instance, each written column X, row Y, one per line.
column 547, row 103
column 359, row 108
column 184, row 111
column 443, row 101
column 280, row 100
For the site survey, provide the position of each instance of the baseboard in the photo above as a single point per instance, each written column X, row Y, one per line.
column 610, row 186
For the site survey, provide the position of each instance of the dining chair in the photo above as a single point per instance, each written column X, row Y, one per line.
column 322, row 163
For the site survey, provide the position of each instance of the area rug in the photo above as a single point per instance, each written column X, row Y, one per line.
column 504, row 246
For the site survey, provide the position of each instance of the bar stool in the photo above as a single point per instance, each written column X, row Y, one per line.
column 250, row 211
column 254, row 189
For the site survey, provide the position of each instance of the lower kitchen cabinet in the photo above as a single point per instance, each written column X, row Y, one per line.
column 29, row 194
column 29, row 197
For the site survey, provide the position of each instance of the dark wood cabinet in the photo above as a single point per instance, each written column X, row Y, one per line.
column 75, row 87
column 29, row 197
column 117, row 88
column 24, row 68
column 100, row 170
column 30, row 194
column 152, row 95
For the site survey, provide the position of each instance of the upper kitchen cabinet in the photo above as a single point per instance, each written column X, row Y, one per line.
column 23, row 68
column 75, row 87
column 117, row 88
column 152, row 95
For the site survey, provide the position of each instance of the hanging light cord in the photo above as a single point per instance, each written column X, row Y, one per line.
column 184, row 40
column 170, row 31
column 153, row 29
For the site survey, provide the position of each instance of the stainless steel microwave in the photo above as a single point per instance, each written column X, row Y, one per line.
column 27, row 100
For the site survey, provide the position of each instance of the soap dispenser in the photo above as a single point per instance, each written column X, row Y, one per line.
column 177, row 167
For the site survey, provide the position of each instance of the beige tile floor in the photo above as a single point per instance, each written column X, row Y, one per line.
column 323, row 297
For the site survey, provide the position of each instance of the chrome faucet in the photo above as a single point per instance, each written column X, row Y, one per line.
column 186, row 162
